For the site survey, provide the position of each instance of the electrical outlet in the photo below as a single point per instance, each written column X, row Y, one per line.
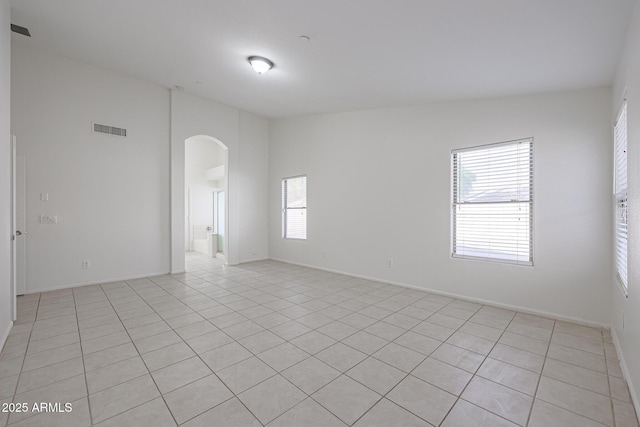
column 390, row 262
column 254, row 251
column 86, row 264
column 324, row 254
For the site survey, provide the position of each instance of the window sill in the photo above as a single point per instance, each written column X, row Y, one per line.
column 493, row 260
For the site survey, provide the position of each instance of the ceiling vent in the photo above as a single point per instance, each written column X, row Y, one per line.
column 109, row 130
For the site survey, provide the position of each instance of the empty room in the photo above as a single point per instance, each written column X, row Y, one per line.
column 361, row 213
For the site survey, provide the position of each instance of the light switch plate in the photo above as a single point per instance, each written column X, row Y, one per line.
column 48, row 219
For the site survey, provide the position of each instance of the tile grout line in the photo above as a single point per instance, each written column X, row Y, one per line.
column 289, row 341
column 456, row 330
column 544, row 362
column 233, row 394
column 606, row 368
column 339, row 341
column 384, row 396
column 382, row 319
column 308, row 396
column 312, row 285
column 576, row 386
column 196, row 355
column 139, row 355
column 24, row 358
column 84, row 368
column 459, row 397
column 544, row 356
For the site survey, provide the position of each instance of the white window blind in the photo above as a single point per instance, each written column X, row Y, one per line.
column 620, row 190
column 492, row 209
column 294, row 207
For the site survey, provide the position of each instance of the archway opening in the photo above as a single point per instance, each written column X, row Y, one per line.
column 206, row 194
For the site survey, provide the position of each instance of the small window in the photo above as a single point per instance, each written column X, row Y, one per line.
column 294, row 207
column 492, row 208
column 620, row 192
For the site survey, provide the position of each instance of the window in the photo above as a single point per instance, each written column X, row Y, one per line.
column 492, row 208
column 620, row 191
column 294, row 207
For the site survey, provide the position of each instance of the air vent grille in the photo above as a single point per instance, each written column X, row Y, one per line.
column 109, row 130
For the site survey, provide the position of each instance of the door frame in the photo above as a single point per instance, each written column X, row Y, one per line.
column 14, row 249
column 216, row 219
column 18, row 274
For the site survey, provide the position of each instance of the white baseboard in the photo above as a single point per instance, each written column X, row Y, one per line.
column 527, row 310
column 101, row 282
column 625, row 371
column 244, row 261
column 5, row 335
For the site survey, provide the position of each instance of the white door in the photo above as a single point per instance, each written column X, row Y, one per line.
column 19, row 223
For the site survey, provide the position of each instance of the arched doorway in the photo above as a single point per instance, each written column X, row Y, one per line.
column 206, row 192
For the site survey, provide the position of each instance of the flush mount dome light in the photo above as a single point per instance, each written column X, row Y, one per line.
column 260, row 65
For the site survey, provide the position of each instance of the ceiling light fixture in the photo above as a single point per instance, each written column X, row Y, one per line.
column 260, row 65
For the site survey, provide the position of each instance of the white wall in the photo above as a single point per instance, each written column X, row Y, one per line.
column 245, row 136
column 254, row 195
column 379, row 188
column 626, row 311
column 120, row 202
column 6, row 296
column 201, row 154
column 111, row 194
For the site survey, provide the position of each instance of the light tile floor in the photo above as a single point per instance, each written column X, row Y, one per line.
column 267, row 343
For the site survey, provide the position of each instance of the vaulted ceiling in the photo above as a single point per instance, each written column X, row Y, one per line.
column 359, row 54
